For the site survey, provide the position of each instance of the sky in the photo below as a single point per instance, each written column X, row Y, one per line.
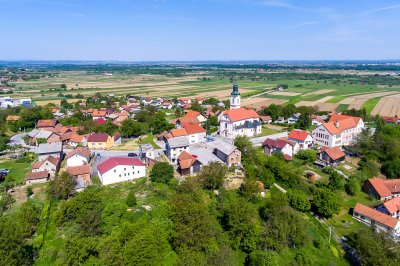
column 188, row 30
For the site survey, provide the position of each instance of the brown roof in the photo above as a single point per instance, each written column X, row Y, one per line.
column 37, row 165
column 81, row 151
column 99, row 113
column 334, row 153
column 392, row 205
column 46, row 123
column 241, row 114
column 298, row 134
column 13, row 118
column 75, row 137
column 265, row 118
column 338, row 123
column 376, row 215
column 52, row 160
column 37, row 175
column 186, row 160
column 393, row 185
column 79, row 170
column 380, row 187
column 98, row 137
column 277, row 143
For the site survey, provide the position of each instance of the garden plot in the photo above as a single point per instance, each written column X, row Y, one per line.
column 259, row 102
column 284, row 93
column 358, row 101
column 387, row 106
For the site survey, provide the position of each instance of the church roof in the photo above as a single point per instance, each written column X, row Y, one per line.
column 235, row 115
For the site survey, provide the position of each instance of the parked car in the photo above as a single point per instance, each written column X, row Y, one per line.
column 132, row 154
column 5, row 170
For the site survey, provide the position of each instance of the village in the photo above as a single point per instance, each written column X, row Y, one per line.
column 188, row 146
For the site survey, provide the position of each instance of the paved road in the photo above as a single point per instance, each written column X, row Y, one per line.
column 18, row 139
column 111, row 153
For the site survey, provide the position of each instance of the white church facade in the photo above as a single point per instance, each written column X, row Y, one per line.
column 238, row 121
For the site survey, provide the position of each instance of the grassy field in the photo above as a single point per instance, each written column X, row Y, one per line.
column 370, row 104
column 18, row 170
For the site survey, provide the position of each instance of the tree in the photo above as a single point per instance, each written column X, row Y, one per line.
column 391, row 168
column 131, row 199
column 244, row 144
column 160, row 123
column 298, row 200
column 212, row 175
column 62, row 187
column 308, row 156
column 263, row 258
column 336, row 181
column 130, row 128
column 353, row 186
column 304, row 121
column 327, row 202
column 162, row 172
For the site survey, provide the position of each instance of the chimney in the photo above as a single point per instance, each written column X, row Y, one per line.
column 395, row 186
column 337, row 123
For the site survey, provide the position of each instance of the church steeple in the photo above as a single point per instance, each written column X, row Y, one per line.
column 235, row 97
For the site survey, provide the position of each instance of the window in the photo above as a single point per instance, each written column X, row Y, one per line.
column 120, row 175
column 133, row 167
column 124, row 169
column 115, row 170
column 138, row 172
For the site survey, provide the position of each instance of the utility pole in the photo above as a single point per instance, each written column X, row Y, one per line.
column 330, row 234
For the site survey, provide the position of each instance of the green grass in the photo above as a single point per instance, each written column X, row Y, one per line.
column 336, row 99
column 342, row 107
column 370, row 104
column 18, row 170
column 265, row 131
column 149, row 139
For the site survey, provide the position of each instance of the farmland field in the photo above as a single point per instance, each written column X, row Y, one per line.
column 326, row 94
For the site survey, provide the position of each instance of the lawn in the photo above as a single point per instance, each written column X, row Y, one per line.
column 129, row 145
column 149, row 139
column 342, row 108
column 370, row 104
column 18, row 170
column 265, row 131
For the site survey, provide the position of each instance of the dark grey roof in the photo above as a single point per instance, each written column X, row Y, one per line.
column 178, row 142
column 55, row 147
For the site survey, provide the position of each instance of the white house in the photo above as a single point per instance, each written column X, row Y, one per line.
column 279, row 145
column 196, row 134
column 50, row 165
column 115, row 170
column 175, row 146
column 78, row 157
column 340, row 130
column 303, row 138
column 238, row 121
column 381, row 222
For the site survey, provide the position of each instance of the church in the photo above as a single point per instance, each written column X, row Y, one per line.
column 238, row 121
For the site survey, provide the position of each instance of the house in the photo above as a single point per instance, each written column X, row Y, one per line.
column 278, row 145
column 115, row 170
column 318, row 120
column 81, row 174
column 45, row 124
column 238, row 121
column 184, row 102
column 167, row 105
column 226, row 152
column 146, row 153
column 340, row 130
column 191, row 117
column 266, row 119
column 174, row 147
column 13, row 118
column 293, row 119
column 36, row 177
column 280, row 120
column 46, row 149
column 177, row 132
column 100, row 141
column 383, row 190
column 303, row 138
column 188, row 164
column 36, row 136
column 391, row 119
column 99, row 114
column 195, row 133
column 380, row 221
column 391, row 207
column 332, row 156
column 50, row 164
column 78, row 157
column 76, row 140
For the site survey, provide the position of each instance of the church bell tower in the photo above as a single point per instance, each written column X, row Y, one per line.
column 235, row 97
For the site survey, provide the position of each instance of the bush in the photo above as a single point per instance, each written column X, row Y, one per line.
column 162, row 172
column 327, row 202
column 29, row 191
column 353, row 186
column 131, row 199
column 298, row 200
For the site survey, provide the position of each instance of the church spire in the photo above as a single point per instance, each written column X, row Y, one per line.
column 235, row 97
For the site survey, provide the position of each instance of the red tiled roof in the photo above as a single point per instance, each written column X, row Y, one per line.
column 99, row 113
column 334, row 153
column 390, row 119
column 100, row 121
column 392, row 205
column 287, row 157
column 193, row 128
column 98, row 137
column 179, row 132
column 376, row 215
column 37, row 165
column 37, row 175
column 78, row 170
column 393, row 185
column 186, row 160
column 46, row 123
column 66, row 136
column 76, row 138
column 380, row 187
column 81, row 151
column 298, row 134
column 113, row 162
column 52, row 160
column 339, row 117
column 241, row 114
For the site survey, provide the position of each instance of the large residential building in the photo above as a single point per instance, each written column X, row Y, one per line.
column 339, row 131
column 238, row 121
column 303, row 138
column 115, row 170
column 380, row 221
column 175, row 146
column 78, row 157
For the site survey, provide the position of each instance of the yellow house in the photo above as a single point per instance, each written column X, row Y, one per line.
column 102, row 141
